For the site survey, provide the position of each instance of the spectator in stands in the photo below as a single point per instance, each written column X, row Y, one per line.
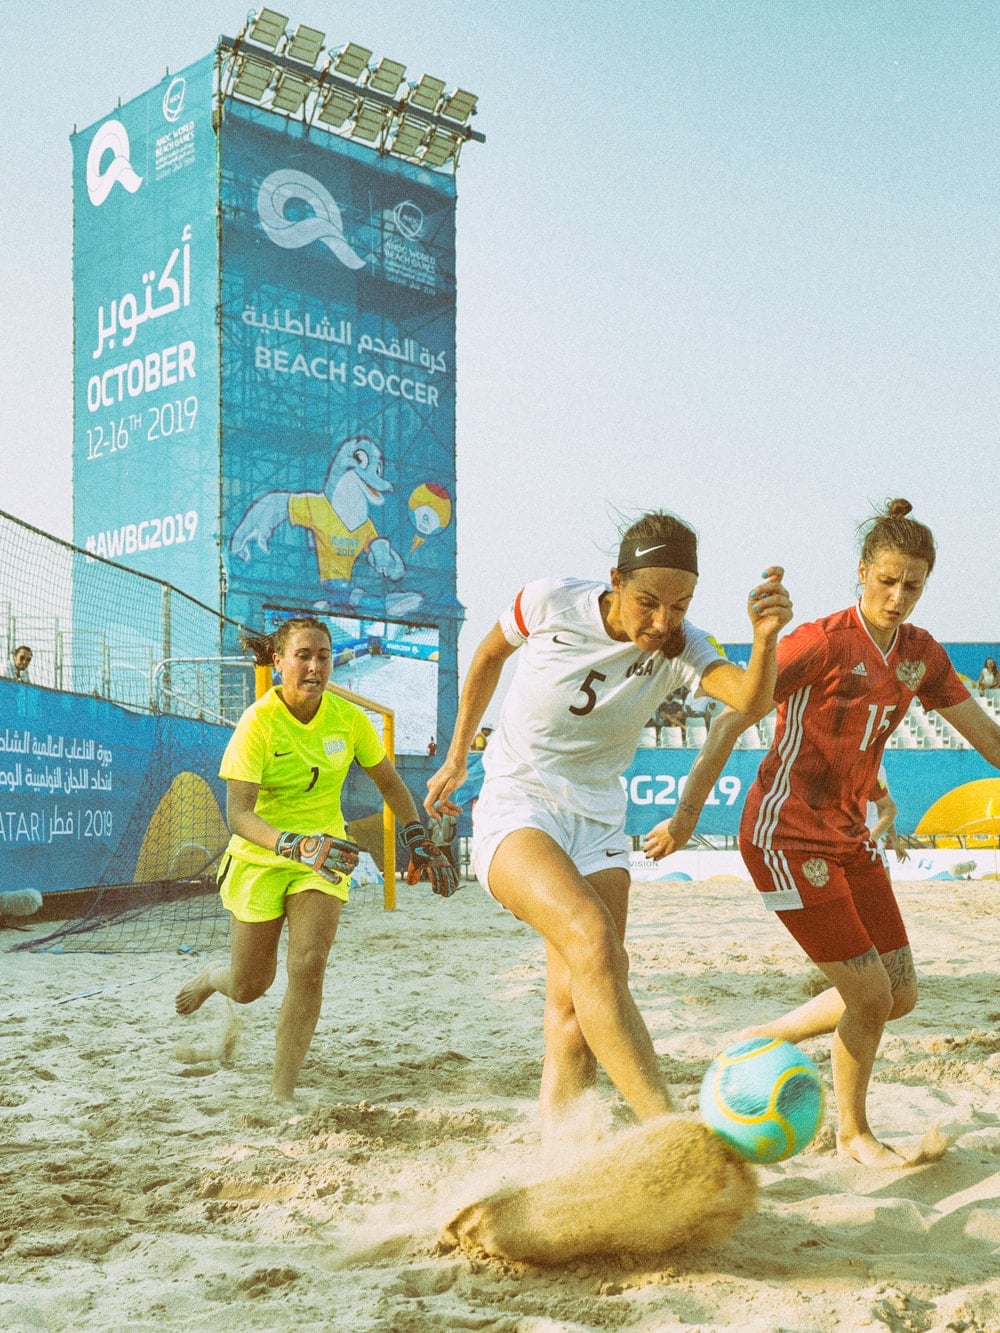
column 432, row 747
column 844, row 684
column 672, row 712
column 18, row 663
column 479, row 741
column 288, row 857
column 549, row 826
column 707, row 708
column 989, row 677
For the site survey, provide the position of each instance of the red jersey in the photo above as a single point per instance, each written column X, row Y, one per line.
column 839, row 700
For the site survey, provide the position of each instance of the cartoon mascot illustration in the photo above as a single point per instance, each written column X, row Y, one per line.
column 338, row 519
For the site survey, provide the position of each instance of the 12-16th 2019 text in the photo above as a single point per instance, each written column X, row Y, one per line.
column 159, row 422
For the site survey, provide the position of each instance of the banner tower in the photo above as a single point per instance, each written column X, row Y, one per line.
column 264, row 351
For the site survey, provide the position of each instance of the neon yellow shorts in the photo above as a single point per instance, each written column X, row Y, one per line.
column 258, row 893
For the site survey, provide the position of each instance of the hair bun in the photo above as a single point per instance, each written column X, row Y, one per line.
column 898, row 508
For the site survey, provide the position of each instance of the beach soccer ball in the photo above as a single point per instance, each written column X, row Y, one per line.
column 764, row 1097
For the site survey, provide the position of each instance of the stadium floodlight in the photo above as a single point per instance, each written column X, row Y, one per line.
column 253, row 79
column 426, row 93
column 441, row 148
column 305, row 45
column 459, row 105
column 352, row 60
column 337, row 107
column 410, row 134
column 291, row 91
column 371, row 121
column 387, row 76
column 268, row 28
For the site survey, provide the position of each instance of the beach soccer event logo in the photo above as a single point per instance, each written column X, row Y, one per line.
column 173, row 99
column 409, row 219
column 292, row 227
column 102, row 178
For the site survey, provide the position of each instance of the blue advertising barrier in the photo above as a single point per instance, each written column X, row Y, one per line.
column 655, row 779
column 80, row 780
column 93, row 794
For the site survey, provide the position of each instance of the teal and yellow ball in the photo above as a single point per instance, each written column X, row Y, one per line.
column 764, row 1098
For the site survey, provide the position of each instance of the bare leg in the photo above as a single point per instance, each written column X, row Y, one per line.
column 570, row 1069
column 823, row 1012
column 312, row 928
column 533, row 877
column 856, row 1010
column 852, row 1051
column 815, row 1018
column 253, row 961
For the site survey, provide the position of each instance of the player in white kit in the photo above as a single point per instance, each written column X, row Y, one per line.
column 549, row 827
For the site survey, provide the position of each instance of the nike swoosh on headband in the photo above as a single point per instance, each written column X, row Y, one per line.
column 646, row 550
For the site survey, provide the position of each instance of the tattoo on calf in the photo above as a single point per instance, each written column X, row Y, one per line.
column 863, row 960
column 899, row 965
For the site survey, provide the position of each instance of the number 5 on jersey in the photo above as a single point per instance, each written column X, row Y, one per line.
column 589, row 694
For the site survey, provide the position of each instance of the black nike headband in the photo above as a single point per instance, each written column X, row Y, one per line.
column 678, row 551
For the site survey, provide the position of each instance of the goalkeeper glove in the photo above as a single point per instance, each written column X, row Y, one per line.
column 333, row 858
column 427, row 861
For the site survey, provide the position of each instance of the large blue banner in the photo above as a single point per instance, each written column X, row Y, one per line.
column 338, row 376
column 145, row 274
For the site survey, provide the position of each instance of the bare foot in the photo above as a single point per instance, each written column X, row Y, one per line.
column 193, row 994
column 866, row 1149
column 292, row 1097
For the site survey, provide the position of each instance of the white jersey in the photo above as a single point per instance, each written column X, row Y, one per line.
column 579, row 699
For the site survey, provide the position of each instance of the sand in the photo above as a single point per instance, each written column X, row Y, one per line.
column 139, row 1190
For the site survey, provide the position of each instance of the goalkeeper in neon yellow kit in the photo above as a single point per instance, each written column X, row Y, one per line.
column 289, row 856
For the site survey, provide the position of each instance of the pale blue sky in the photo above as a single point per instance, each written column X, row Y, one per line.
column 738, row 259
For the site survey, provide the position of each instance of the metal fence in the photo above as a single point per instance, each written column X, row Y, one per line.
column 97, row 628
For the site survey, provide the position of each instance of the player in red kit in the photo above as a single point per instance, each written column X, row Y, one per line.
column 844, row 684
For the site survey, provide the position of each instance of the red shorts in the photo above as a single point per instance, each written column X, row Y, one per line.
column 838, row 907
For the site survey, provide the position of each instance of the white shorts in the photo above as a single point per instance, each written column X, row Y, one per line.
column 504, row 806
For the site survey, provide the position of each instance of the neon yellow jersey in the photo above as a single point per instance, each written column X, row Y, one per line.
column 300, row 767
